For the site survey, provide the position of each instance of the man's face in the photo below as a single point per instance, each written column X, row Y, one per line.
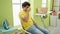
column 27, row 8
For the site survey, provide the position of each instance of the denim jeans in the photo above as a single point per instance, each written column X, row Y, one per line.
column 35, row 29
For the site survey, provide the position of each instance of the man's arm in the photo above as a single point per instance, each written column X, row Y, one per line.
column 25, row 18
column 34, row 22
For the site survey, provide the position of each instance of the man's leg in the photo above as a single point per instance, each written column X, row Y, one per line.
column 34, row 30
column 45, row 31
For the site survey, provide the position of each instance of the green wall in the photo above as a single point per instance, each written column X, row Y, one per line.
column 51, row 4
column 6, row 11
column 34, row 5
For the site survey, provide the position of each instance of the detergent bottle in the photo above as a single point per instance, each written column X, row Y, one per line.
column 6, row 24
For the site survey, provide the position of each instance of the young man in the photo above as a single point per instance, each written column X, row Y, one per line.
column 28, row 23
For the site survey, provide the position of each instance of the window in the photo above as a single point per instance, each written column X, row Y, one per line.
column 24, row 1
column 43, row 3
column 16, row 4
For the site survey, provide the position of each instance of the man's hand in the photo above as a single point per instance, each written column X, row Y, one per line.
column 27, row 15
column 34, row 22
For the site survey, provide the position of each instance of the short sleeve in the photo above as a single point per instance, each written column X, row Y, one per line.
column 21, row 15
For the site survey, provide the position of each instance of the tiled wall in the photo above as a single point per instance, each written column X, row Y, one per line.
column 56, row 5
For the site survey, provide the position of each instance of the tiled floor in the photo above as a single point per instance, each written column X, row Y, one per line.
column 55, row 30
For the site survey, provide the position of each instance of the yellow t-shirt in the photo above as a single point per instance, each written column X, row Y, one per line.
column 28, row 24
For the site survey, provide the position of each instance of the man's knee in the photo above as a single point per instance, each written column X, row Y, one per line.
column 38, row 32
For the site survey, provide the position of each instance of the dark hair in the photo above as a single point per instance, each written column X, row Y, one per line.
column 25, row 4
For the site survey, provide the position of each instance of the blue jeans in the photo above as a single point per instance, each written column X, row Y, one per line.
column 35, row 29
